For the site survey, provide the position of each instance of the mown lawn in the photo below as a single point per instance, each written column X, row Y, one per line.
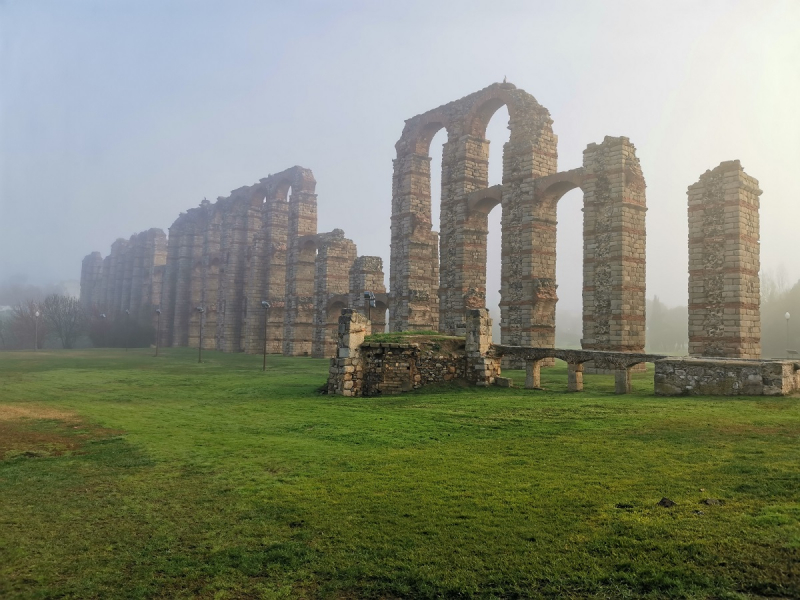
column 128, row 476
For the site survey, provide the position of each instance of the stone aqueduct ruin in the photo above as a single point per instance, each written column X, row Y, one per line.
column 261, row 243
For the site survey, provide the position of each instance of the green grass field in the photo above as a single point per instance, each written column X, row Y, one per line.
column 128, row 476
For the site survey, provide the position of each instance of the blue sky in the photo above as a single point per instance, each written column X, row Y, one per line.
column 115, row 116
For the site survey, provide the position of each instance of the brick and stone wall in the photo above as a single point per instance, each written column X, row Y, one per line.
column 724, row 288
column 614, row 226
column 258, row 244
column 383, row 368
column 721, row 377
column 335, row 257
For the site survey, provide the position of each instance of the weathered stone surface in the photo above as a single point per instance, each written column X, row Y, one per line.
column 726, row 377
column 614, row 227
column 724, row 261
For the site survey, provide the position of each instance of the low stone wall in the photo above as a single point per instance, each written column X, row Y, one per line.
column 393, row 368
column 374, row 368
column 726, row 377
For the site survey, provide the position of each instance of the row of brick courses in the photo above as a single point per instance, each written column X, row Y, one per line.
column 724, row 287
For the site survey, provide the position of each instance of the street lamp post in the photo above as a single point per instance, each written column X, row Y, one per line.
column 36, row 330
column 127, row 329
column 200, row 311
column 369, row 300
column 158, row 327
column 265, row 305
column 787, row 315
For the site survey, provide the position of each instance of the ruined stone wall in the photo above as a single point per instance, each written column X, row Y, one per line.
column 724, row 262
column 719, row 377
column 335, row 257
column 366, row 275
column 614, row 225
column 382, row 368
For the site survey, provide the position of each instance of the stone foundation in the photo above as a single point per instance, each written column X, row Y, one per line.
column 721, row 377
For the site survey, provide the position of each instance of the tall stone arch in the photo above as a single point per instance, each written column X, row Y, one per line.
column 530, row 152
column 614, row 237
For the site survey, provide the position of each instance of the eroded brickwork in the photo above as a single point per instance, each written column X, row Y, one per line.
column 366, row 275
column 724, row 262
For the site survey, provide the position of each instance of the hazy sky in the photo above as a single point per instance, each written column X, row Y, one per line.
column 116, row 115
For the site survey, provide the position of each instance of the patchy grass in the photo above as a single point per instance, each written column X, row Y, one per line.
column 163, row 478
column 410, row 337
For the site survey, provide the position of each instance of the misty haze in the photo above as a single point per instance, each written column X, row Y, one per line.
column 412, row 300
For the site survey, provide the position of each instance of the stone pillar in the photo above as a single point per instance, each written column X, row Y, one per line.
column 533, row 374
column 332, row 280
column 169, row 286
column 482, row 368
column 414, row 268
column 155, row 258
column 183, row 279
column 197, row 281
column 724, row 261
column 347, row 369
column 299, row 313
column 366, row 274
column 528, row 275
column 91, row 276
column 622, row 380
column 267, row 278
column 614, row 248
column 463, row 233
column 575, row 377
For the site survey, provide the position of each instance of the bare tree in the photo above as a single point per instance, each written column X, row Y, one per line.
column 26, row 325
column 65, row 317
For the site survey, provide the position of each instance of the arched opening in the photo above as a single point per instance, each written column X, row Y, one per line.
column 569, row 270
column 435, row 152
column 498, row 134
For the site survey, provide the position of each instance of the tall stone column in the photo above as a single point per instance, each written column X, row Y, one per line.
column 414, row 268
column 299, row 311
column 170, row 281
column 724, row 262
column 335, row 257
column 266, row 278
column 614, row 247
column 119, row 253
column 346, row 374
column 91, row 276
column 528, row 272
column 465, row 165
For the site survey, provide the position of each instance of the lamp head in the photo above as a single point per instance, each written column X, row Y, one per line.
column 127, row 312
column 37, row 313
column 200, row 309
column 103, row 316
column 264, row 304
column 787, row 315
column 158, row 311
